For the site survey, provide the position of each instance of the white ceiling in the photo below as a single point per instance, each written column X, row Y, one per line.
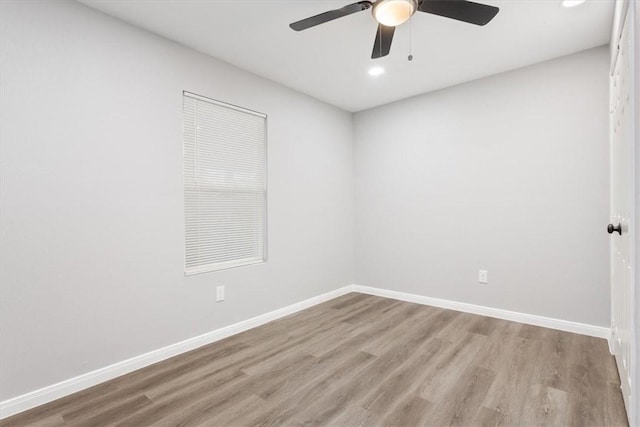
column 330, row 61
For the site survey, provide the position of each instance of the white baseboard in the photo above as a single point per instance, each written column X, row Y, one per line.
column 47, row 394
column 530, row 319
column 55, row 391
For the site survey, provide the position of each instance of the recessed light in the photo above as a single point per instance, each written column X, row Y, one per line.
column 572, row 3
column 376, row 71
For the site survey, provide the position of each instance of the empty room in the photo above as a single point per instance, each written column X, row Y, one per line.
column 320, row 212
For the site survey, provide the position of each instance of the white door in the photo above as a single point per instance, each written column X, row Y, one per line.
column 622, row 199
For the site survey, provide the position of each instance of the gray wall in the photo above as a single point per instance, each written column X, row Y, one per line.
column 508, row 174
column 91, row 195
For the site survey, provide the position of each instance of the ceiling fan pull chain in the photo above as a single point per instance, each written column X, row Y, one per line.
column 410, row 57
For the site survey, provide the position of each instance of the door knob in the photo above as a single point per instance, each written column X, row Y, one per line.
column 617, row 228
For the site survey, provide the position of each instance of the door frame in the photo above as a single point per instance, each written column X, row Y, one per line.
column 634, row 10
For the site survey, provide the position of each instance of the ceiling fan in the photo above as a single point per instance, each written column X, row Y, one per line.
column 391, row 13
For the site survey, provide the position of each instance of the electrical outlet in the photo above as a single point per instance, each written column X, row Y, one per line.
column 483, row 276
column 220, row 293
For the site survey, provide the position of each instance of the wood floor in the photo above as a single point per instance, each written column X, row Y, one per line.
column 360, row 360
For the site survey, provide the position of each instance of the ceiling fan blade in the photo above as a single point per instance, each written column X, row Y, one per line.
column 330, row 15
column 382, row 45
column 465, row 11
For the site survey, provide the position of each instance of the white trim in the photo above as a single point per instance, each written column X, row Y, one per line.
column 55, row 391
column 616, row 31
column 610, row 339
column 226, row 265
column 223, row 104
column 64, row 388
column 530, row 319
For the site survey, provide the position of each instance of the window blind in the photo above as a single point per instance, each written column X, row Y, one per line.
column 224, row 185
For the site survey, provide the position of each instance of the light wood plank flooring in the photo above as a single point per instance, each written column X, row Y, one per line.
column 361, row 360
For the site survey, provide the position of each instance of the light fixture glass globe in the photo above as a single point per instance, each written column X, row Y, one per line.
column 572, row 3
column 391, row 13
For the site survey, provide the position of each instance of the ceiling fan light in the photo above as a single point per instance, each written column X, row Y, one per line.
column 572, row 3
column 391, row 13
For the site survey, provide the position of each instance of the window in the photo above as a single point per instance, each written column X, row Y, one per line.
column 224, row 185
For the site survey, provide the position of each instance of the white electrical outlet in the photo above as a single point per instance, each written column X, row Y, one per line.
column 483, row 276
column 220, row 293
